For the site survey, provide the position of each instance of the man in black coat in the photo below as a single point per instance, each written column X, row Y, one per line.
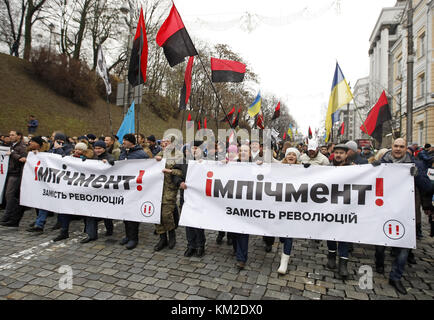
column 130, row 151
column 17, row 157
column 195, row 236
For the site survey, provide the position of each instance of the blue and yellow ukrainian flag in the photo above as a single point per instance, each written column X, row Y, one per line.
column 340, row 96
column 255, row 107
column 290, row 131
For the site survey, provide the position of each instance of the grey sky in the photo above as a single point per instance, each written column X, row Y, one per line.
column 293, row 50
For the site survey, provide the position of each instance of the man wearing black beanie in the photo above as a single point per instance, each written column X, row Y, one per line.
column 130, row 151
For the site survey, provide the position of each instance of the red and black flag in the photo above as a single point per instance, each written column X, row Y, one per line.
column 228, row 118
column 284, row 135
column 310, row 133
column 379, row 114
column 237, row 118
column 341, row 129
column 186, row 87
column 198, row 125
column 174, row 39
column 276, row 112
column 227, row 70
column 204, row 123
column 260, row 121
column 139, row 55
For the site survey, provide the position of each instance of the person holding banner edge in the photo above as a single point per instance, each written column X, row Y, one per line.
column 292, row 156
column 195, row 236
column 168, row 203
column 340, row 153
column 91, row 227
column 130, row 151
column 398, row 154
column 17, row 157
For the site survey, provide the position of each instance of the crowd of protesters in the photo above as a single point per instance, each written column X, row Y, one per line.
column 110, row 149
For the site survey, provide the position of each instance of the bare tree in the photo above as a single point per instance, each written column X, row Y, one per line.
column 103, row 17
column 12, row 12
column 32, row 15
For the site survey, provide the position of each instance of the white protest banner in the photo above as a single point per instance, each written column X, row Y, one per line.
column 4, row 164
column 362, row 204
column 130, row 190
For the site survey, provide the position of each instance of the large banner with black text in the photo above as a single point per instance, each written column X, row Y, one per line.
column 130, row 190
column 361, row 204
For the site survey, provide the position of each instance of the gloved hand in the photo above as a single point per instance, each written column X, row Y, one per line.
column 306, row 165
column 111, row 162
column 413, row 171
column 376, row 163
column 83, row 159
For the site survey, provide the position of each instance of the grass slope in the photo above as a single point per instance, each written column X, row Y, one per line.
column 22, row 94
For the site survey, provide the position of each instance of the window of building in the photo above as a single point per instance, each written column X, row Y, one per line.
column 422, row 85
column 422, row 45
column 420, row 134
column 399, row 69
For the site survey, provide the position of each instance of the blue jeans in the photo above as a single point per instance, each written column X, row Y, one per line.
column 341, row 246
column 41, row 218
column 287, row 245
column 241, row 246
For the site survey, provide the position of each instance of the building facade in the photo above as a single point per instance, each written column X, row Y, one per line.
column 423, row 75
column 389, row 59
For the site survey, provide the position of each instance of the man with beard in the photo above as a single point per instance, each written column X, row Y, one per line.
column 339, row 160
column 313, row 156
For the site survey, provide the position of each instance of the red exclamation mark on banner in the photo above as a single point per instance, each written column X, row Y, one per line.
column 36, row 170
column 390, row 229
column 397, row 230
column 149, row 210
column 208, row 184
column 1, row 169
column 379, row 191
column 139, row 179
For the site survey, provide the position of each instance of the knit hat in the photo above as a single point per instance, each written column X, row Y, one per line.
column 313, row 145
column 60, row 136
column 130, row 137
column 352, row 145
column 38, row 140
column 151, row 138
column 293, row 150
column 81, row 146
column 83, row 138
column 197, row 143
column 91, row 136
column 100, row 144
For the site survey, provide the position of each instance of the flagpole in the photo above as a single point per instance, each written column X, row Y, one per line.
column 183, row 119
column 209, row 78
column 212, row 85
column 363, row 122
column 109, row 113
